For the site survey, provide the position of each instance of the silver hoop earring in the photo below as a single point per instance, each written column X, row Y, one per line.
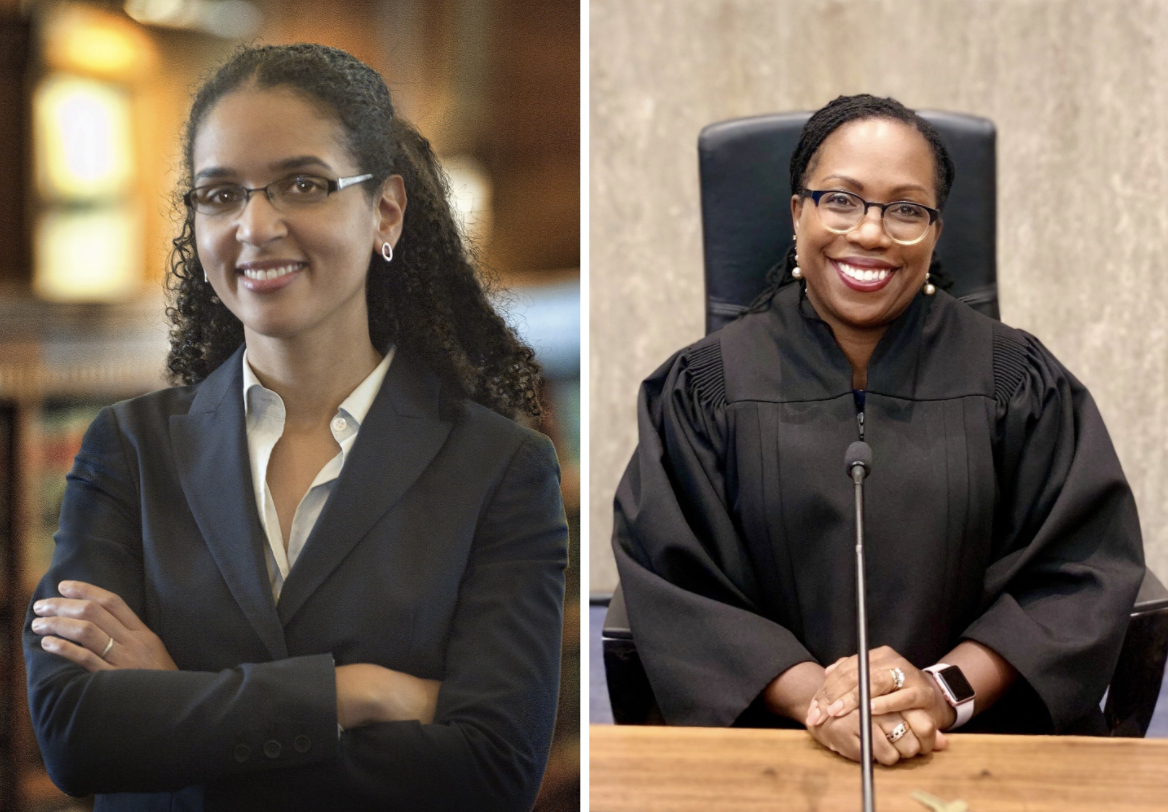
column 387, row 251
column 205, row 279
column 929, row 288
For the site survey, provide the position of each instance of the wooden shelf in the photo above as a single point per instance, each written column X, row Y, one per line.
column 52, row 358
column 92, row 351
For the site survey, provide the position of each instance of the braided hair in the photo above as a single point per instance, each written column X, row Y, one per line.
column 434, row 302
column 824, row 122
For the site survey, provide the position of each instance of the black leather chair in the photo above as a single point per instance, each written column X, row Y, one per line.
column 747, row 229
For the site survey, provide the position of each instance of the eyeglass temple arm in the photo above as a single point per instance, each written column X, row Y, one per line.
column 341, row 183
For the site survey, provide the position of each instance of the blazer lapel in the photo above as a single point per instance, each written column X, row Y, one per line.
column 210, row 451
column 400, row 436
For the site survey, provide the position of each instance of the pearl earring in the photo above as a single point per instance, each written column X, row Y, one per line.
column 929, row 289
column 796, row 272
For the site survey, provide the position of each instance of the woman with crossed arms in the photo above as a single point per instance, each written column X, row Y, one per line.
column 326, row 571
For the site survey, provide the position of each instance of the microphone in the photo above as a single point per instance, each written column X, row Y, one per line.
column 859, row 465
column 859, row 454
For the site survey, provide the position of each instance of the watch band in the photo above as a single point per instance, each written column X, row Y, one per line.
column 963, row 707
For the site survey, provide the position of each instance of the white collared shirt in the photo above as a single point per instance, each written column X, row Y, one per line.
column 265, row 414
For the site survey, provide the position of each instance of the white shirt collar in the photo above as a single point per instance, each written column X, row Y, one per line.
column 355, row 406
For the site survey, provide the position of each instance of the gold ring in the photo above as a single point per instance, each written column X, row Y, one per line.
column 897, row 678
column 107, row 648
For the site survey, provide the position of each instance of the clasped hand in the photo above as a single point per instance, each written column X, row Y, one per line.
column 833, row 716
column 95, row 629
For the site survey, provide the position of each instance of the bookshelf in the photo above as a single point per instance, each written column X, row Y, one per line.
column 58, row 366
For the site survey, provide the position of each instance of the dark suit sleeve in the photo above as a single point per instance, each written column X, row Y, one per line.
column 1069, row 557
column 137, row 730
column 689, row 586
column 489, row 742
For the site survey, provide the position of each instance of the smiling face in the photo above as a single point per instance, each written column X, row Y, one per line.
column 860, row 281
column 297, row 274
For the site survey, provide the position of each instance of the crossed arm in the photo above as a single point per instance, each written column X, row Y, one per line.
column 95, row 629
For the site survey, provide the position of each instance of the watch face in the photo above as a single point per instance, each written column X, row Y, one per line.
column 957, row 683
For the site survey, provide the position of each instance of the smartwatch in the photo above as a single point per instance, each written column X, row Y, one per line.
column 956, row 690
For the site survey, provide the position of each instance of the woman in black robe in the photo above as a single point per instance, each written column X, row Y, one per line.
column 1001, row 535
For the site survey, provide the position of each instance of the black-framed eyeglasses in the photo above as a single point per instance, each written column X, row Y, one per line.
column 904, row 222
column 286, row 194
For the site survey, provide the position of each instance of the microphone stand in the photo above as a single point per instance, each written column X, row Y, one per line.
column 859, row 462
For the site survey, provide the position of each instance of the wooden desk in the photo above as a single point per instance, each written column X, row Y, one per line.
column 652, row 769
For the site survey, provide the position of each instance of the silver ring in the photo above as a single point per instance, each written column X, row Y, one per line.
column 107, row 648
column 898, row 732
column 897, row 678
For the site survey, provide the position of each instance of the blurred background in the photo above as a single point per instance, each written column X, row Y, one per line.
column 92, row 99
column 1078, row 91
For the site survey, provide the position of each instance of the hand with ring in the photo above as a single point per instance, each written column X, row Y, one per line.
column 895, row 736
column 917, row 735
column 897, row 687
column 95, row 628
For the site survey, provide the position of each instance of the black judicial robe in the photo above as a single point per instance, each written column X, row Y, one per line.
column 996, row 511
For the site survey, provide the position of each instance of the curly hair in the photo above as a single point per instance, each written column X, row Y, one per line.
column 433, row 302
column 824, row 122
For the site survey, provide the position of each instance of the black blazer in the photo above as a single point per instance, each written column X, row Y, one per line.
column 440, row 553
